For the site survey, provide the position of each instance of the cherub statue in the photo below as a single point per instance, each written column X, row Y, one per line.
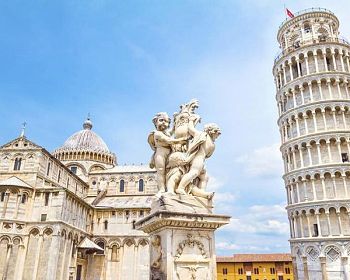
column 161, row 141
column 181, row 119
column 201, row 147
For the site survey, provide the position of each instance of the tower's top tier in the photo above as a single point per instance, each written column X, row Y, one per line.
column 308, row 27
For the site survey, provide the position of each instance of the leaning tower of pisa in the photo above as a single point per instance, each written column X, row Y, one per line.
column 312, row 76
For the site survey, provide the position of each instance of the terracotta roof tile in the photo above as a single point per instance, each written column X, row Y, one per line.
column 256, row 258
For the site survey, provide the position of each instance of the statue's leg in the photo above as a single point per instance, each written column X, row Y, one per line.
column 201, row 193
column 203, row 180
column 161, row 179
column 173, row 181
column 186, row 179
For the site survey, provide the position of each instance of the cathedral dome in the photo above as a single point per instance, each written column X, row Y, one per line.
column 85, row 145
column 85, row 140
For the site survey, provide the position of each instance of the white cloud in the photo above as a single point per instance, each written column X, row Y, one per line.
column 261, row 219
column 263, row 162
column 228, row 246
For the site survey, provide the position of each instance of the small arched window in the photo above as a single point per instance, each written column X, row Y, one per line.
column 141, row 185
column 18, row 162
column 121, row 185
column 24, row 198
column 106, row 224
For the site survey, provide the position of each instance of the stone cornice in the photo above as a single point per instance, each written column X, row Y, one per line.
column 167, row 219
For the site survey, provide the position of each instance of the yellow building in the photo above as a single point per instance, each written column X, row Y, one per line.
column 255, row 267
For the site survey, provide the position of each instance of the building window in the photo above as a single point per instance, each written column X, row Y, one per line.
column 224, row 271
column 344, row 157
column 121, row 185
column 256, row 270
column 315, row 230
column 249, row 277
column 127, row 214
column 287, row 270
column 133, row 224
column 17, row 165
column 141, row 185
column 106, row 224
column 272, row 270
column 74, row 169
column 328, row 61
column 240, row 271
column 59, row 176
column 43, row 217
column 2, row 198
column 48, row 169
column 280, row 277
column 23, row 198
column 47, row 196
column 141, row 213
column 102, row 245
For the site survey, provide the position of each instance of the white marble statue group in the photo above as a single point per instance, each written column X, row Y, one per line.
column 180, row 153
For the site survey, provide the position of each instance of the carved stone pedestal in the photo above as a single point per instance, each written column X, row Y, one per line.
column 182, row 240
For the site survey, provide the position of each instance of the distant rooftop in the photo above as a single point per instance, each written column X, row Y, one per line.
column 238, row 258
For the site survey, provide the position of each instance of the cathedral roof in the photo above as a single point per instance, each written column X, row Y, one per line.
column 85, row 140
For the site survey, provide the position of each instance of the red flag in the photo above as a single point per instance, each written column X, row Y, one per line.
column 289, row 13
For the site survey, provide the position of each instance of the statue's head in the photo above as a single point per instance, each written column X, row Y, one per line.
column 161, row 121
column 213, row 130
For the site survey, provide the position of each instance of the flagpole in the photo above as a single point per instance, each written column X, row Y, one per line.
column 285, row 10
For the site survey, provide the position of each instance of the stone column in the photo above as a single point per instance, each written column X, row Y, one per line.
column 302, row 95
column 310, row 91
column 305, row 117
column 334, row 61
column 324, row 119
column 291, row 71
column 345, row 185
column 342, row 61
column 8, row 255
column 298, row 67
column 319, row 83
column 53, row 256
column 307, row 63
column 323, row 187
column 344, row 262
column 316, row 61
column 313, row 188
column 308, row 146
column 347, row 61
column 315, row 121
column 330, row 88
column 319, row 153
column 323, row 268
column 295, row 268
column 325, row 60
column 329, row 224
column 37, row 256
column 306, row 271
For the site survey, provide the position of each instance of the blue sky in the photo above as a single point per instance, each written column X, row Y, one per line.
column 123, row 61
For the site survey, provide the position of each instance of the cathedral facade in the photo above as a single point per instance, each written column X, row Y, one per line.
column 71, row 214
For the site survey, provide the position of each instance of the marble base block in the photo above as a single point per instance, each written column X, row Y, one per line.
column 182, row 240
